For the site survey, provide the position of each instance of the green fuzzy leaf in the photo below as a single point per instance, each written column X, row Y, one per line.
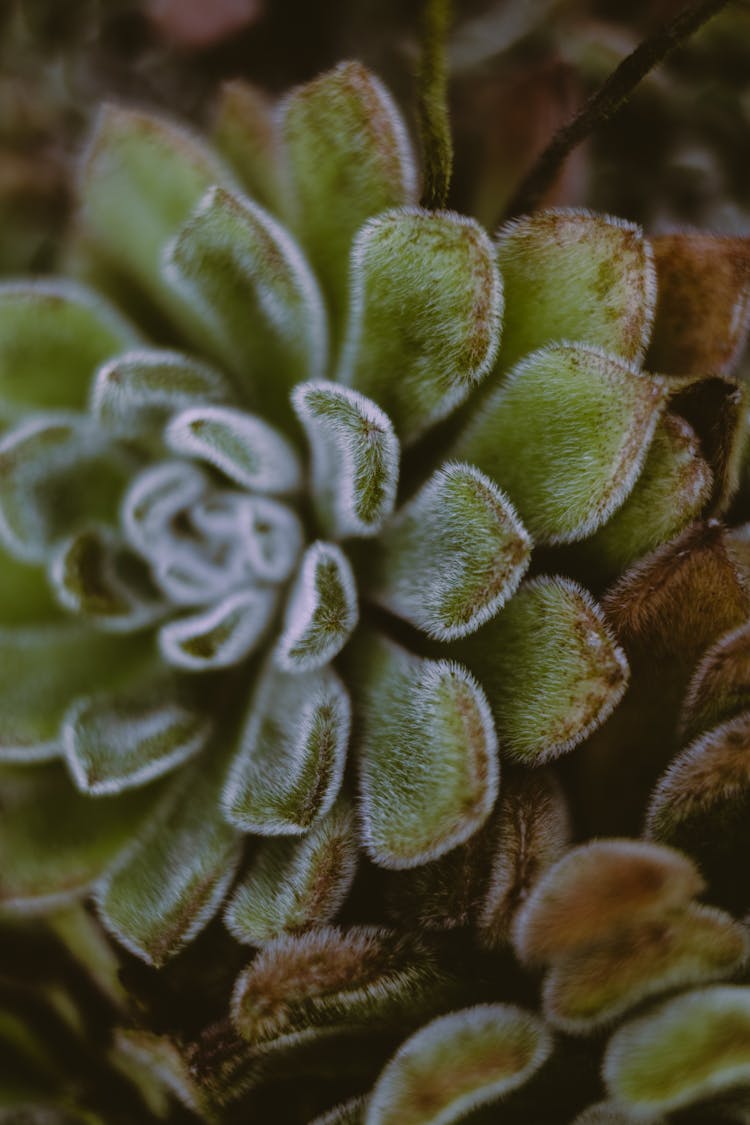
column 241, row 446
column 293, row 885
column 55, row 842
column 428, row 722
column 456, row 1064
column 692, row 1047
column 452, row 556
column 173, row 881
column 566, row 436
column 127, row 738
column 141, row 178
column 349, row 158
column 321, row 612
column 572, row 275
column 136, row 393
column 46, row 668
column 222, row 635
column 361, row 977
column 251, row 292
column 56, row 474
column 288, row 768
column 246, row 133
column 698, row 944
column 355, row 458
column 53, row 335
column 673, row 487
column 551, row 667
column 95, row 576
column 424, row 317
column 597, row 890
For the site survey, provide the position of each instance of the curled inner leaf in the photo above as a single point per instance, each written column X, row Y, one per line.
column 220, row 636
column 321, row 613
column 355, row 457
column 245, row 448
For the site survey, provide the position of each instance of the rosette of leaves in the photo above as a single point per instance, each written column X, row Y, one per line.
column 189, row 535
column 273, row 462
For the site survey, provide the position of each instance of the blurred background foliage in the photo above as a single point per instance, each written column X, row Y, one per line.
column 677, row 155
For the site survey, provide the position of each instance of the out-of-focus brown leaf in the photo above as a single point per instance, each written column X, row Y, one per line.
column 703, row 304
column 201, row 23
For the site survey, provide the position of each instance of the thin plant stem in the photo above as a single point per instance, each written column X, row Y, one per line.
column 610, row 96
column 432, row 104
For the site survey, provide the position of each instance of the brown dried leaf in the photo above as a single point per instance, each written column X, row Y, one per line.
column 703, row 304
column 682, row 597
column 597, row 889
column 531, row 832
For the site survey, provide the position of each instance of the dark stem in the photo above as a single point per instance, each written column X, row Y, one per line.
column 432, row 104
column 610, row 96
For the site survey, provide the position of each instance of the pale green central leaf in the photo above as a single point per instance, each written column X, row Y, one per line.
column 321, row 612
column 242, row 446
column 222, row 635
column 355, row 458
column 155, row 498
column 97, row 577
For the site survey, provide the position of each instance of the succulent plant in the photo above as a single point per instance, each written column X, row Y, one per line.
column 300, row 487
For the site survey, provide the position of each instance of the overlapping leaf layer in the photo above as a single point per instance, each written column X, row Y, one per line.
column 306, row 646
